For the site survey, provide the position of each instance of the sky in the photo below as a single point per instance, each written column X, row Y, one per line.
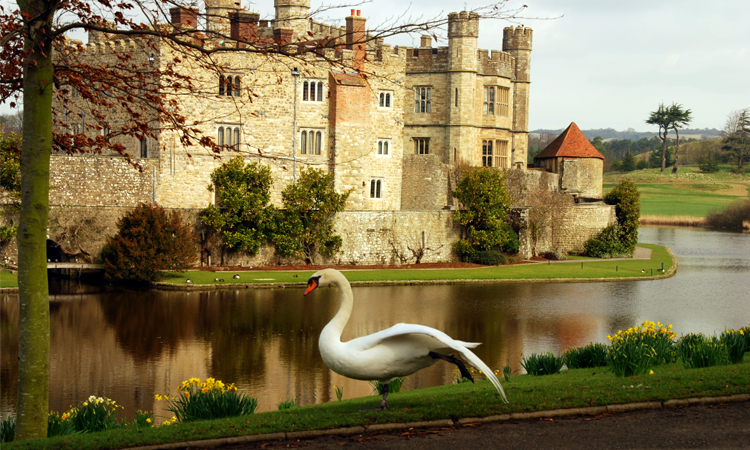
column 606, row 63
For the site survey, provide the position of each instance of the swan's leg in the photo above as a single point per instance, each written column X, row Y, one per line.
column 384, row 401
column 452, row 359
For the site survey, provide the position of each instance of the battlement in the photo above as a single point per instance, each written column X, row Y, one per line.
column 496, row 63
column 517, row 38
column 463, row 24
column 491, row 63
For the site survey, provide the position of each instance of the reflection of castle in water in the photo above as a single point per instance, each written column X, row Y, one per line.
column 130, row 345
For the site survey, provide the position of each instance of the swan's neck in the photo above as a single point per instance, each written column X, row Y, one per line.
column 332, row 332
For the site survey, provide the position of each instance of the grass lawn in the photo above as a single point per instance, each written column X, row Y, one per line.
column 688, row 193
column 568, row 389
column 8, row 279
column 587, row 268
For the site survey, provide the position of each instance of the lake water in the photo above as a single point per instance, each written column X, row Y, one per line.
column 131, row 344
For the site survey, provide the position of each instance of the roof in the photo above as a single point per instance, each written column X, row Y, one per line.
column 349, row 79
column 570, row 144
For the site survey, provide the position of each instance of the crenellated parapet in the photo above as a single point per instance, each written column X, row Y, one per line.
column 517, row 38
column 463, row 24
column 496, row 63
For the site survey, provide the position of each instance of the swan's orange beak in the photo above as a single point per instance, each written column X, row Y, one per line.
column 311, row 285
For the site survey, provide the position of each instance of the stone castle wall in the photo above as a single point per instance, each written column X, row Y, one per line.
column 425, row 183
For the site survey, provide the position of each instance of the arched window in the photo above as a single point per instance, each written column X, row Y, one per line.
column 320, row 91
column 237, row 86
column 375, row 188
column 237, row 139
column 303, row 142
column 229, row 86
column 221, row 85
column 312, row 91
column 305, row 94
column 228, row 137
column 383, row 147
column 318, row 142
column 220, row 137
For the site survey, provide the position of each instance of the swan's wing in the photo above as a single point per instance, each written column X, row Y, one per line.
column 401, row 330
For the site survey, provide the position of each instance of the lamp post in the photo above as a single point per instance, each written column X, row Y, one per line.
column 295, row 74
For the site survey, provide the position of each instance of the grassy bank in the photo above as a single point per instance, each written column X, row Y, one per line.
column 688, row 193
column 569, row 389
column 8, row 279
column 577, row 269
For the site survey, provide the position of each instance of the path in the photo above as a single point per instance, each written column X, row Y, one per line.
column 718, row 426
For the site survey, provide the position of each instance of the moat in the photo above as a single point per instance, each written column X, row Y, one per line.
column 131, row 344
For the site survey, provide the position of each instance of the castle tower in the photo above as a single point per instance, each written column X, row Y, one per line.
column 463, row 32
column 517, row 42
column 217, row 15
column 293, row 14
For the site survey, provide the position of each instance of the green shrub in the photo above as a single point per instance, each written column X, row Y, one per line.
column 7, row 429
column 745, row 331
column 149, row 241
column 286, row 404
column 394, row 385
column 542, row 364
column 57, row 426
column 698, row 351
column 487, row 257
column 143, row 419
column 92, row 415
column 607, row 244
column 734, row 343
column 210, row 400
column 592, row 355
column 512, row 245
column 733, row 216
column 709, row 164
column 642, row 164
column 635, row 351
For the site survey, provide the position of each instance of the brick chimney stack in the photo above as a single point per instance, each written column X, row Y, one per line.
column 187, row 17
column 355, row 38
column 244, row 27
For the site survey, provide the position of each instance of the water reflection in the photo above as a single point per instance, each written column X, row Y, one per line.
column 132, row 344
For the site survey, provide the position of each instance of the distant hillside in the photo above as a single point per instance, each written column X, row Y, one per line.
column 610, row 133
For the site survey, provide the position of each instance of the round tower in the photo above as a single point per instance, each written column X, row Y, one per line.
column 517, row 42
column 463, row 32
column 293, row 14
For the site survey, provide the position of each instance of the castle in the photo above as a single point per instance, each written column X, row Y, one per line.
column 389, row 122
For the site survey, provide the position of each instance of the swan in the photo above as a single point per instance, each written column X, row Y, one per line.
column 395, row 352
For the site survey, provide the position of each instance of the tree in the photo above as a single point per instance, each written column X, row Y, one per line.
column 37, row 61
column 10, row 181
column 626, row 198
column 736, row 141
column 304, row 227
column 628, row 162
column 149, row 240
column 663, row 120
column 244, row 215
column 679, row 117
column 486, row 204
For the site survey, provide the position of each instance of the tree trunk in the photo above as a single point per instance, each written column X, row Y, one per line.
column 663, row 150
column 33, row 339
column 676, row 151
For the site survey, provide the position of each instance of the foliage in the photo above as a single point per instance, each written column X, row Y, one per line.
column 736, row 142
column 7, row 429
column 626, row 198
column 642, row 164
column 393, row 386
column 243, row 216
column 486, row 204
column 655, row 157
column 149, row 240
column 304, row 228
column 143, row 419
column 92, row 415
column 207, row 400
column 339, row 390
column 10, row 166
column 7, row 232
column 636, row 350
column 487, row 257
column 542, row 364
column 589, row 356
column 667, row 118
column 680, row 117
column 606, row 244
column 513, row 243
column 57, row 426
column 709, row 163
column 286, row 404
column 735, row 344
column 698, row 351
column 628, row 162
column 734, row 216
column 506, row 373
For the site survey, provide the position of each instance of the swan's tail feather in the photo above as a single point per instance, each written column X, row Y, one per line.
column 481, row 366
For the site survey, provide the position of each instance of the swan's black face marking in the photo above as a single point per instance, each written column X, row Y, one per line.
column 312, row 283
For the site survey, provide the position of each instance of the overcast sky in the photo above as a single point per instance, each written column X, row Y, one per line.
column 607, row 63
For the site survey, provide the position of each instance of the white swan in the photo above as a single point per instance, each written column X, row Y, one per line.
column 395, row 352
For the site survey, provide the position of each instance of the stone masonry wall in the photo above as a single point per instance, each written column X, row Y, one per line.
column 425, row 183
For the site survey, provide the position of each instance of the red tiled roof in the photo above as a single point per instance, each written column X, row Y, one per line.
column 349, row 79
column 570, row 144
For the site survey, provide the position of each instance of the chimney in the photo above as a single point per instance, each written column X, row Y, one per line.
column 355, row 38
column 186, row 17
column 425, row 41
column 283, row 36
column 244, row 27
